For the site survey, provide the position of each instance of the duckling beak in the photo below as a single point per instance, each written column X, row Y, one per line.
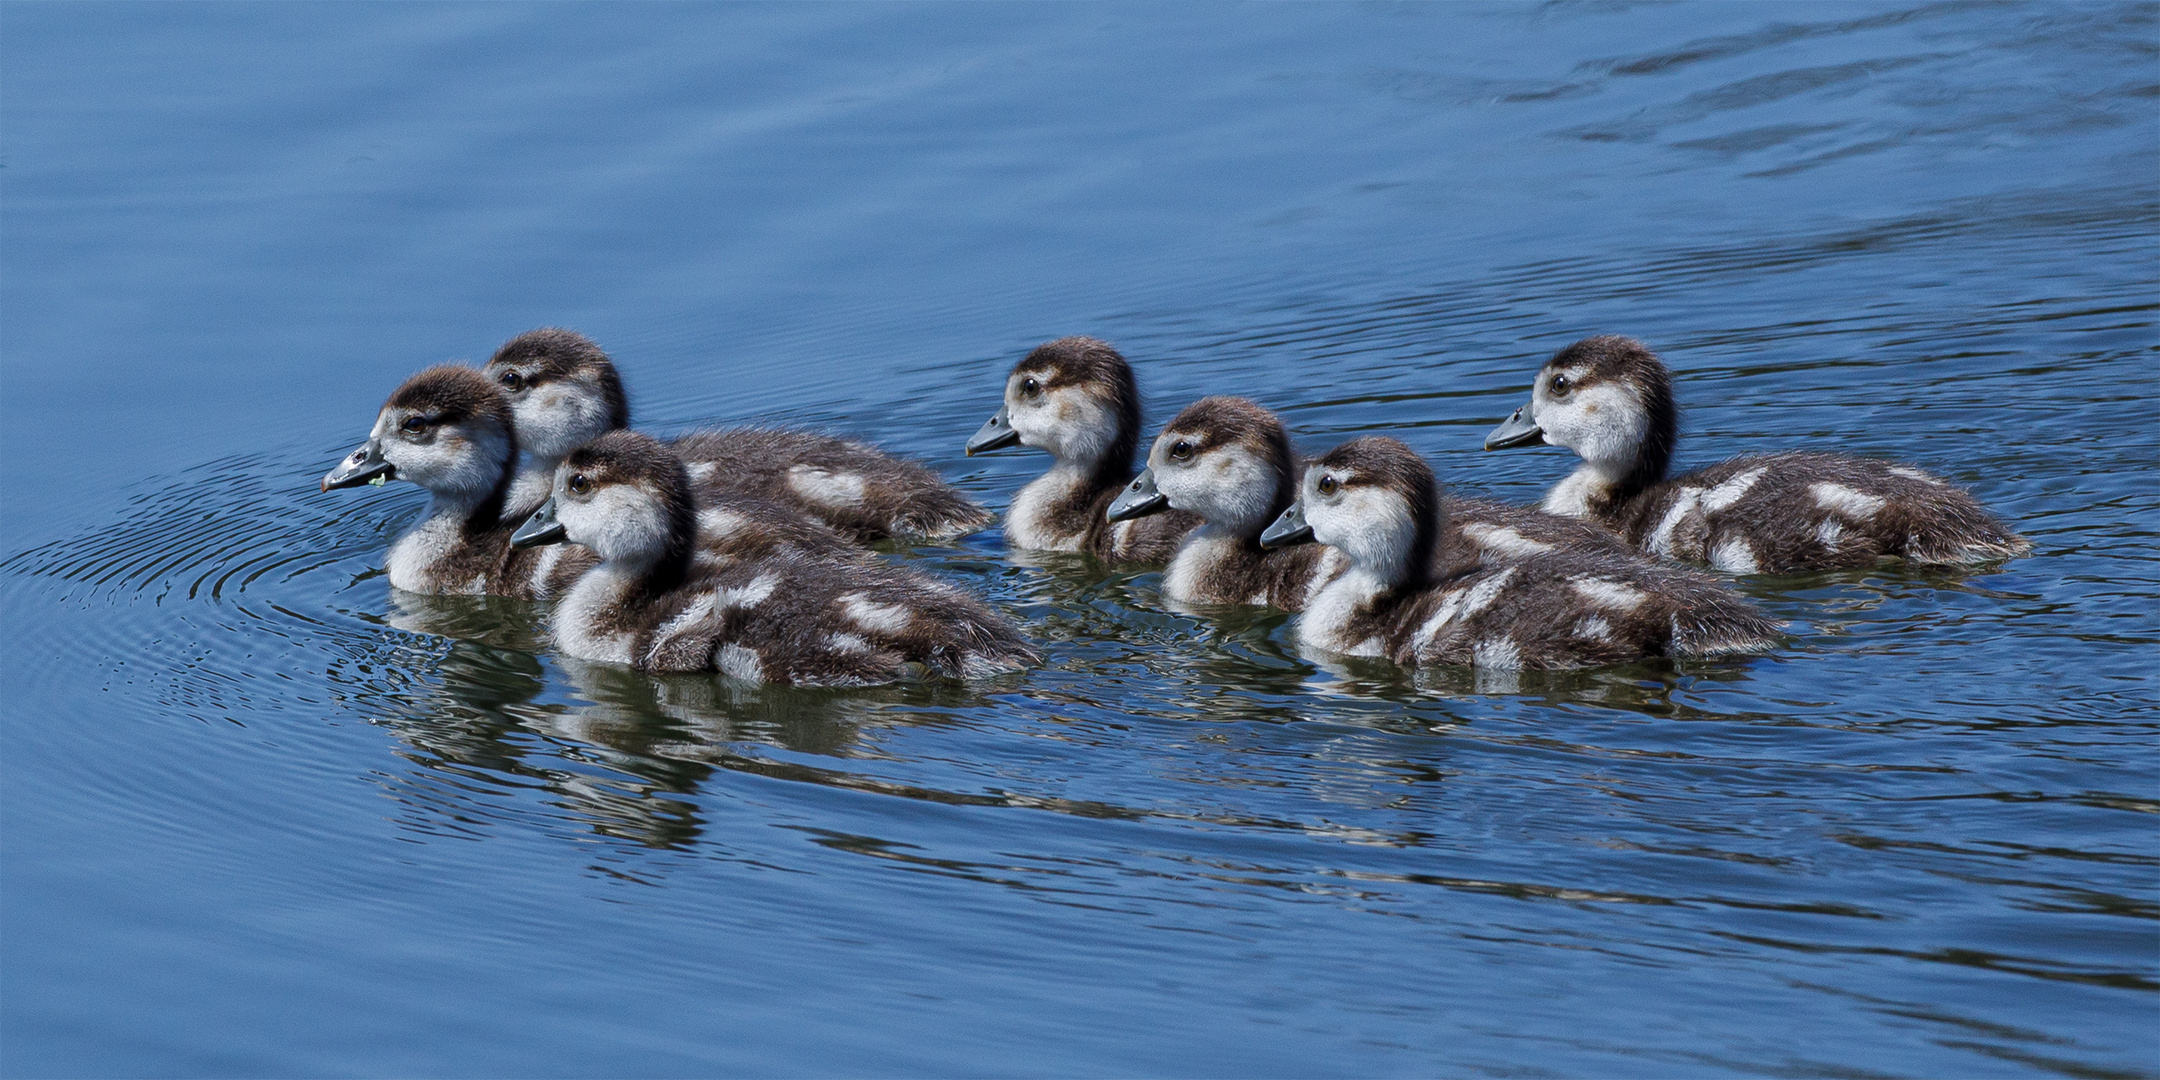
column 995, row 434
column 540, row 528
column 1516, row 430
column 362, row 466
column 1139, row 499
column 1288, row 529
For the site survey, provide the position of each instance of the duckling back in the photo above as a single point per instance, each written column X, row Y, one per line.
column 1802, row 511
column 1569, row 610
column 855, row 488
column 808, row 622
column 1497, row 534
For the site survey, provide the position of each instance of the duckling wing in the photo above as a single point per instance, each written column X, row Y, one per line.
column 851, row 486
column 1803, row 511
column 1562, row 611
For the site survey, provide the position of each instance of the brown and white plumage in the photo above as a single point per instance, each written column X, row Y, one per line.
column 1228, row 460
column 1076, row 398
column 1610, row 400
column 565, row 392
column 449, row 430
column 652, row 604
column 1405, row 596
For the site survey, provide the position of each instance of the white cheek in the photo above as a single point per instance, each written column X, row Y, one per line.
column 1068, row 423
column 1184, row 489
column 556, row 419
column 1227, row 487
column 1371, row 526
column 456, row 463
column 617, row 523
column 1601, row 423
column 1029, row 420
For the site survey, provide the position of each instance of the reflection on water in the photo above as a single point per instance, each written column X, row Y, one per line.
column 246, row 778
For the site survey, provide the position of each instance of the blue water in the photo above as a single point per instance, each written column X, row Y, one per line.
column 258, row 819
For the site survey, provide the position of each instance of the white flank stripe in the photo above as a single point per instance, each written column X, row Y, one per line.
column 1499, row 653
column 735, row 661
column 1729, row 492
column 1503, row 539
column 1734, row 556
column 1608, row 594
column 1683, row 505
column 1838, row 498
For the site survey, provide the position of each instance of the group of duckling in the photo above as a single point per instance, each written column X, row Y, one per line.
column 744, row 550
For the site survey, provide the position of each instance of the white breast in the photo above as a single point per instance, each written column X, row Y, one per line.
column 1572, row 495
column 1032, row 524
column 578, row 618
column 1327, row 618
column 415, row 555
column 1200, row 554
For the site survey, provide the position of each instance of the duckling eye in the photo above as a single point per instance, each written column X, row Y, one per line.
column 1329, row 485
column 1030, row 387
column 513, row 381
column 1180, row 450
column 1560, row 384
column 579, row 485
column 413, row 425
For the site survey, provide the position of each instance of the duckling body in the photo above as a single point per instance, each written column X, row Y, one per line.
column 1229, row 460
column 1076, row 398
column 1405, row 597
column 788, row 618
column 1610, row 400
column 565, row 392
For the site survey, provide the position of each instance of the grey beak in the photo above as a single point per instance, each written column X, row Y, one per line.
column 540, row 528
column 362, row 466
column 995, row 434
column 1516, row 430
column 1288, row 529
column 1139, row 499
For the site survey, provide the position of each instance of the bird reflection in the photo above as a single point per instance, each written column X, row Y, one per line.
column 470, row 699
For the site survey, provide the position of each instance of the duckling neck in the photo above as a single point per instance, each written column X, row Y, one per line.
column 1594, row 490
column 446, row 549
column 1052, row 513
column 1207, row 551
column 1339, row 616
column 594, row 620
column 1613, row 475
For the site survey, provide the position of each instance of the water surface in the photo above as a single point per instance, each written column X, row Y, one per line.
column 260, row 817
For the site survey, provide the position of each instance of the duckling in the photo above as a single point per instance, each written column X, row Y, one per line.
column 1076, row 398
column 565, row 392
column 1610, row 400
column 449, row 430
column 1376, row 501
column 1228, row 460
column 651, row 605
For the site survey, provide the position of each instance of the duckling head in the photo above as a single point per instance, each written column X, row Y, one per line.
column 562, row 388
column 1608, row 398
column 1074, row 397
column 1224, row 458
column 625, row 496
column 1375, row 500
column 445, row 429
